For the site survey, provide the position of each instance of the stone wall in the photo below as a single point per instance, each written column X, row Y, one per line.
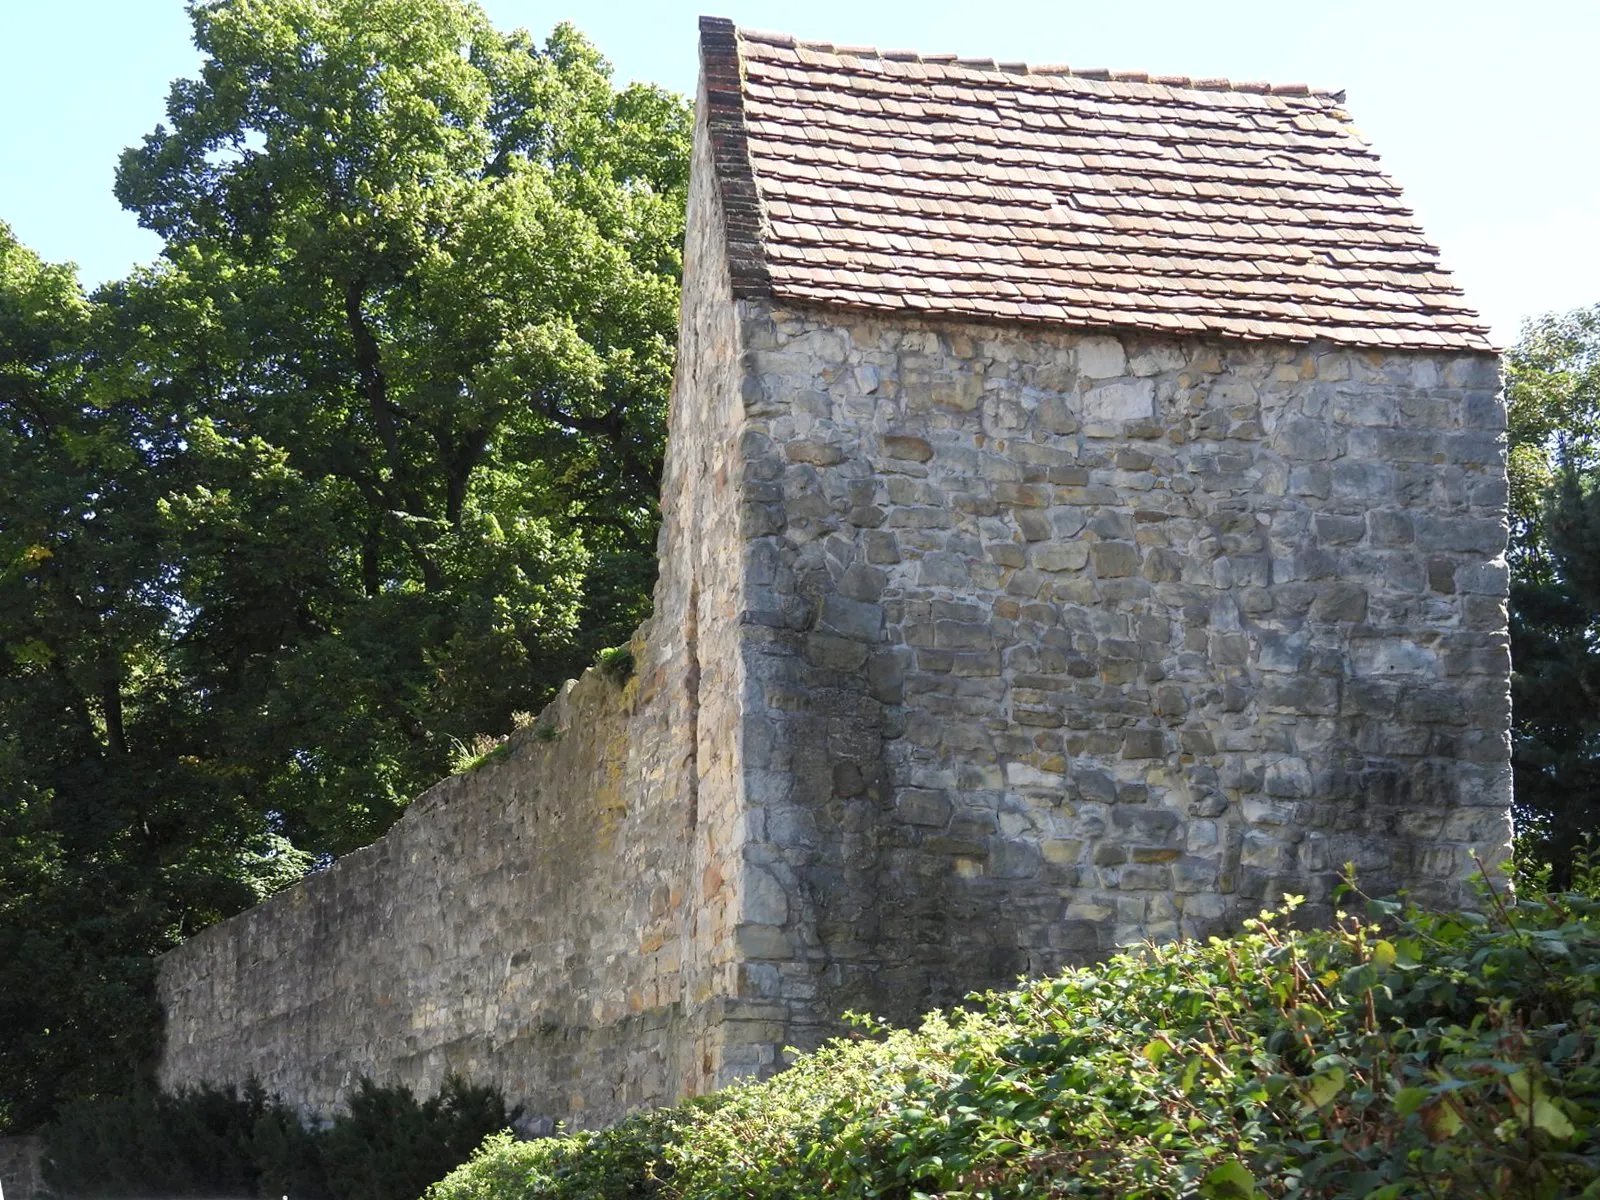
column 561, row 921
column 1060, row 641
column 518, row 923
column 977, row 650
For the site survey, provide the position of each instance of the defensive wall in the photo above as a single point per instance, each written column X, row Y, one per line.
column 978, row 649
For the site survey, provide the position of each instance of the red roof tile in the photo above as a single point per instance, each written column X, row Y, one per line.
column 958, row 186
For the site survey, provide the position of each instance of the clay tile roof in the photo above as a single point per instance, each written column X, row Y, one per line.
column 968, row 188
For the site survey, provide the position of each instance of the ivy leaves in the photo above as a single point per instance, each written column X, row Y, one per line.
column 1401, row 1055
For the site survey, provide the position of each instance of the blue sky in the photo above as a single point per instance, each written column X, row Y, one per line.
column 1488, row 114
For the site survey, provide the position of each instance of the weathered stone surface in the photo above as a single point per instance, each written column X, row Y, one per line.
column 1182, row 651
column 563, row 922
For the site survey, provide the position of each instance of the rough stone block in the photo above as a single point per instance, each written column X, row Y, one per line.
column 1162, row 565
column 1113, row 559
column 851, row 619
column 1144, row 743
column 1340, row 602
column 1302, row 440
column 1101, row 358
column 919, row 806
column 1126, row 400
column 819, row 454
column 1473, row 535
column 939, row 569
column 907, row 446
column 835, row 653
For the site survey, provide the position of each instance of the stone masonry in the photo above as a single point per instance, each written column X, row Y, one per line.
column 1060, row 641
column 1004, row 617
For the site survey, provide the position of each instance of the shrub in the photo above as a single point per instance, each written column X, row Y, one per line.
column 389, row 1146
column 1402, row 1054
column 219, row 1142
column 621, row 1163
column 197, row 1142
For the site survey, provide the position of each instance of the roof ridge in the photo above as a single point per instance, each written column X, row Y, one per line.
column 787, row 41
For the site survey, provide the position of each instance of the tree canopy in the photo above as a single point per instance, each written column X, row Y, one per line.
column 366, row 463
column 1553, row 394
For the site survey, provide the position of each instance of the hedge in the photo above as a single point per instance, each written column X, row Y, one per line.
column 216, row 1142
column 1397, row 1053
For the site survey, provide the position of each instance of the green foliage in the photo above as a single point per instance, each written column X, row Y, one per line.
column 390, row 1146
column 1404, row 1054
column 428, row 276
column 121, row 828
column 216, row 1142
column 622, row 1163
column 1532, row 872
column 365, row 465
column 1553, row 385
column 196, row 1143
column 481, row 751
column 615, row 663
column 1553, row 422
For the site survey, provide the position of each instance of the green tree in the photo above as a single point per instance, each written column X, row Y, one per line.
column 1553, row 393
column 430, row 277
column 365, row 464
column 1553, row 423
column 118, row 829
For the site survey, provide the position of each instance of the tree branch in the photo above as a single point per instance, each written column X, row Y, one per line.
column 374, row 383
column 612, row 428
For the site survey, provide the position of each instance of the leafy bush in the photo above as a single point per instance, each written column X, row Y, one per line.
column 621, row 1163
column 390, row 1146
column 217, row 1142
column 148, row 1144
column 1403, row 1054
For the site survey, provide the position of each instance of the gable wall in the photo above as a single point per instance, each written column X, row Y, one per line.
column 1061, row 640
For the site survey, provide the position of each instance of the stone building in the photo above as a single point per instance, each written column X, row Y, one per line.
column 1084, row 521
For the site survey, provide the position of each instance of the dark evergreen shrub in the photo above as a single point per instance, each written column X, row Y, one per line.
column 195, row 1143
column 390, row 1146
column 221, row 1143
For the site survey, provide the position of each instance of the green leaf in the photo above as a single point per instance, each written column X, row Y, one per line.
column 1230, row 1181
column 1324, row 1087
column 1552, row 1120
column 1191, row 1072
column 1441, row 1121
column 1408, row 1100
